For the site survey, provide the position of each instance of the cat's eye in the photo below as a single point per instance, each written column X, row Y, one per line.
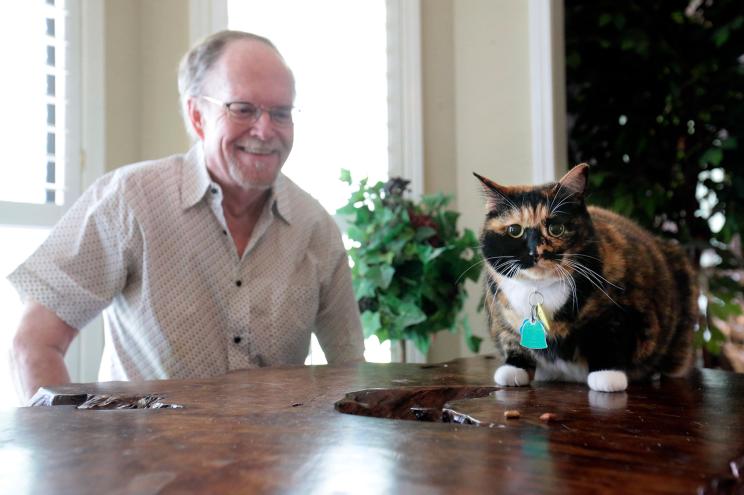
column 556, row 229
column 515, row 230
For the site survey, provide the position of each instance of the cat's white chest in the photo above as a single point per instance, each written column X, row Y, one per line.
column 555, row 292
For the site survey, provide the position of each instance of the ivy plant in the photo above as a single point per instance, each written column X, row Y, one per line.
column 655, row 97
column 410, row 262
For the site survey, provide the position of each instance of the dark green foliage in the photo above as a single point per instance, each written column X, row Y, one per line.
column 410, row 263
column 655, row 96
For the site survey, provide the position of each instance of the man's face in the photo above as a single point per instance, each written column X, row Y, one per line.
column 243, row 154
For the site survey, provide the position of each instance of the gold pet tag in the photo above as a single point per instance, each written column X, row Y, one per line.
column 542, row 317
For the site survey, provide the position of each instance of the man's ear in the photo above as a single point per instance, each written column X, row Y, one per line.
column 196, row 117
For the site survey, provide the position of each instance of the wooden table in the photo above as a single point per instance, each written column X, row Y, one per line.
column 279, row 431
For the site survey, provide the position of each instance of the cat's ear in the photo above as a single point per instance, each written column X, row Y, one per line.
column 575, row 180
column 496, row 195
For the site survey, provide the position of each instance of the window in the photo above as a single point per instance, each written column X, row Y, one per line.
column 34, row 42
column 341, row 70
column 40, row 172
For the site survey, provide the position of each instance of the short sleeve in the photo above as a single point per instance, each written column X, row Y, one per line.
column 85, row 260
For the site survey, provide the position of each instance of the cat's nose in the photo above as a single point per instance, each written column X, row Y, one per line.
column 534, row 254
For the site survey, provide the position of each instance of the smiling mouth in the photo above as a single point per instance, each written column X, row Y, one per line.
column 255, row 151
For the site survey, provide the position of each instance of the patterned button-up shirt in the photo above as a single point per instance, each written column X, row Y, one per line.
column 149, row 244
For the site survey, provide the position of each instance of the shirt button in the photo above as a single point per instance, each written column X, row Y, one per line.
column 238, row 283
column 214, row 190
column 224, row 231
column 237, row 339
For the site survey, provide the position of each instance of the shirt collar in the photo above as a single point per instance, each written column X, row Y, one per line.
column 280, row 198
column 195, row 179
column 195, row 182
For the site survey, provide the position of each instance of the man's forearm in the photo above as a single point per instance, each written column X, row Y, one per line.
column 38, row 353
column 37, row 367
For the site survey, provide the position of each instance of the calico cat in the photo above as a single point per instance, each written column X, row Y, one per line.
column 606, row 300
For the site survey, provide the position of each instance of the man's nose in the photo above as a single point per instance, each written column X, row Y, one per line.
column 263, row 128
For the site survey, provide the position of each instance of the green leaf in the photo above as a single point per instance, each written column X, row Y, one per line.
column 473, row 341
column 422, row 342
column 716, row 340
column 423, row 233
column 410, row 314
column 712, row 156
column 355, row 233
column 370, row 323
column 721, row 36
column 346, row 210
column 380, row 276
column 345, row 176
column 730, row 143
column 365, row 288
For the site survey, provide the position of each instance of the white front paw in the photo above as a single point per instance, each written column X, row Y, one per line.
column 607, row 381
column 511, row 376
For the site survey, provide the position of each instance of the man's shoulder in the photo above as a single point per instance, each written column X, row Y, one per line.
column 301, row 202
column 148, row 169
column 145, row 177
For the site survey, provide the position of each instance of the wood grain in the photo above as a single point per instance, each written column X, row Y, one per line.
column 278, row 431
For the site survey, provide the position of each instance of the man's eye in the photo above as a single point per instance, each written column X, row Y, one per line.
column 245, row 110
column 515, row 231
column 281, row 115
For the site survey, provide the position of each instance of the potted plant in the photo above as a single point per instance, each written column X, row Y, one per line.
column 410, row 263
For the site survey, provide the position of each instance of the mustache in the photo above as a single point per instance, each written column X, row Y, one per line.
column 257, row 146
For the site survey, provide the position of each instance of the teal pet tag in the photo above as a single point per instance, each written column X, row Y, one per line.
column 532, row 334
column 533, row 329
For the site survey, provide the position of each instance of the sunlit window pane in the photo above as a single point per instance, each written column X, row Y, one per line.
column 338, row 52
column 32, row 43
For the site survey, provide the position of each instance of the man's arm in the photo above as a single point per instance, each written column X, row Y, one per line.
column 338, row 326
column 38, row 351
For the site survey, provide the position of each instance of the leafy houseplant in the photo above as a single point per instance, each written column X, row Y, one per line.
column 410, row 263
column 655, row 97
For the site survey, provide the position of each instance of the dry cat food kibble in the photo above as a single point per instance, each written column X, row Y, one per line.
column 511, row 414
column 548, row 417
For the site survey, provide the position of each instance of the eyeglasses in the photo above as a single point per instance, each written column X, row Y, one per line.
column 249, row 113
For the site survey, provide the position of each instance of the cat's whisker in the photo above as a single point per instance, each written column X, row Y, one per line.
column 590, row 276
column 479, row 262
column 579, row 254
column 567, row 279
column 594, row 273
column 492, row 303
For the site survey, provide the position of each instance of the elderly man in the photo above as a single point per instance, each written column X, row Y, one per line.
column 205, row 262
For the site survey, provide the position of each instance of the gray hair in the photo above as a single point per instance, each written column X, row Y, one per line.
column 196, row 64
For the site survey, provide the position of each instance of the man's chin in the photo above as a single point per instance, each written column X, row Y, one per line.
column 259, row 180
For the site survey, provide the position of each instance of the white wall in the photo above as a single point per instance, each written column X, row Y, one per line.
column 144, row 42
column 477, row 117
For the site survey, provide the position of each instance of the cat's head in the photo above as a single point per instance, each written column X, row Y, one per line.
column 531, row 232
